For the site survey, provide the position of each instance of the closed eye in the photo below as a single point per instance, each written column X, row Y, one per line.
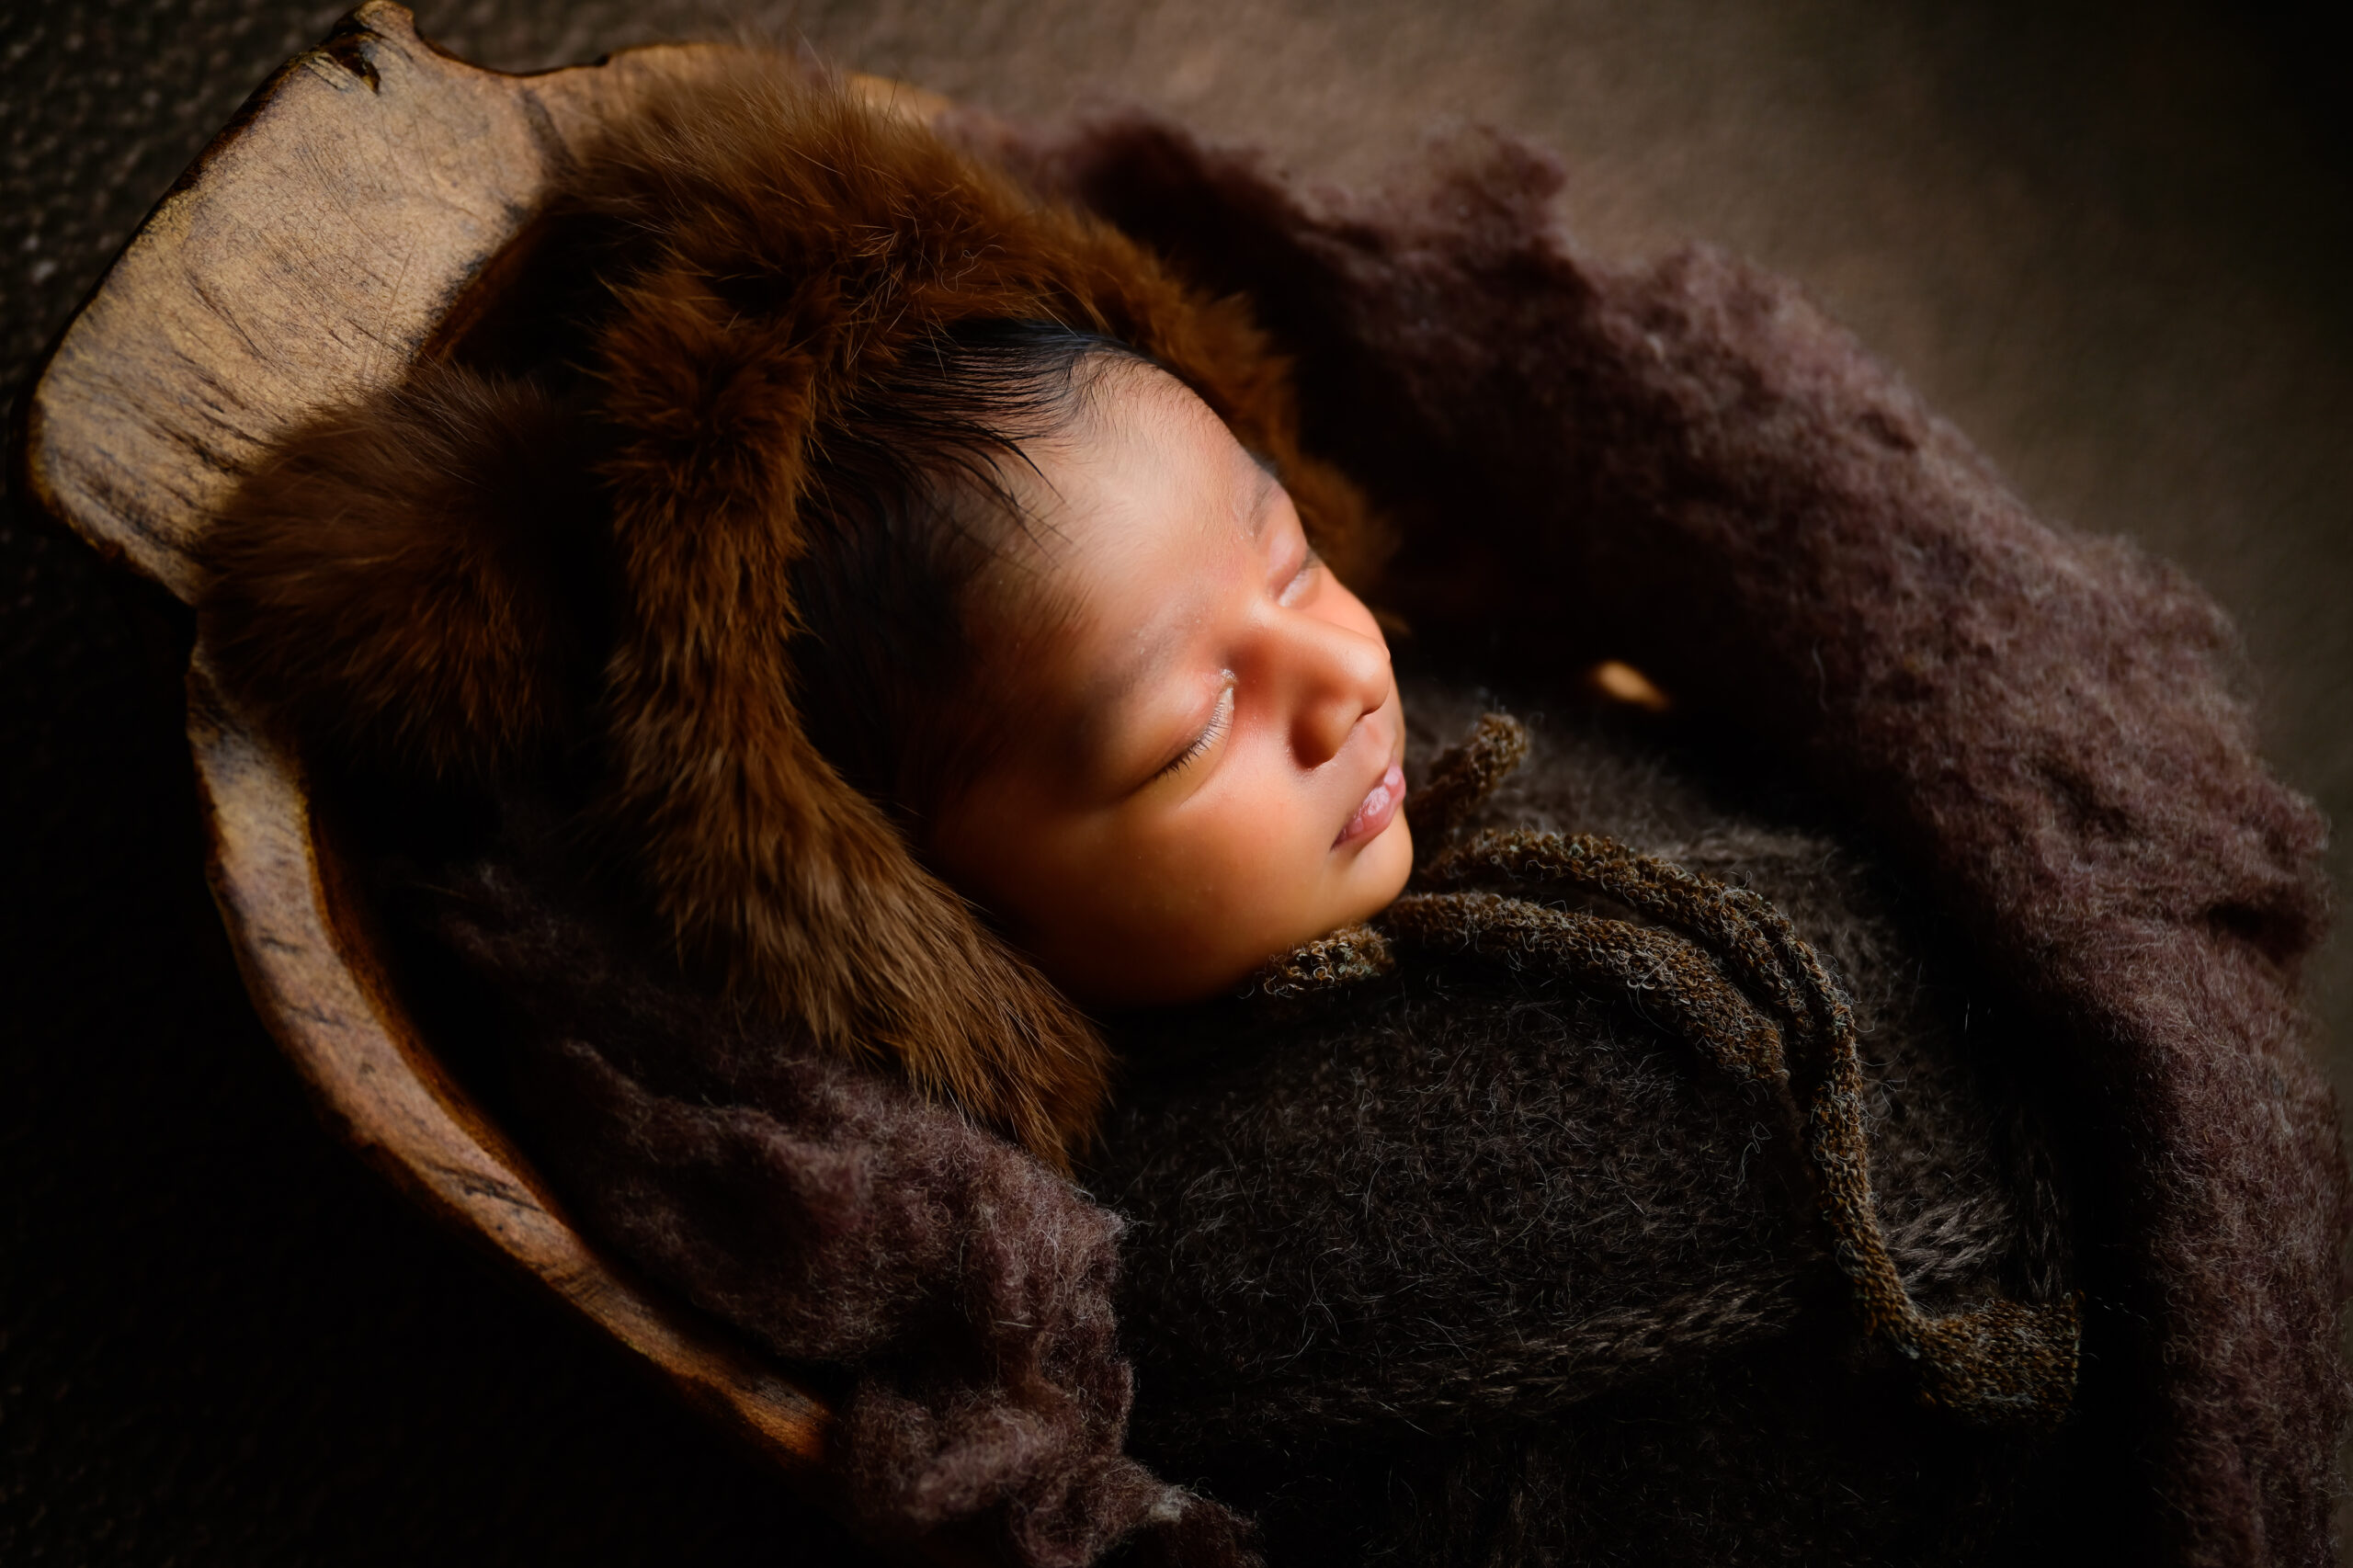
column 1220, row 720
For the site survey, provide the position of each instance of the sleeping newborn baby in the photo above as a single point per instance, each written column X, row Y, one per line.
column 907, row 610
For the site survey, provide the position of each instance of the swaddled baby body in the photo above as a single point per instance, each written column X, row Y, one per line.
column 1177, row 749
column 1480, row 1264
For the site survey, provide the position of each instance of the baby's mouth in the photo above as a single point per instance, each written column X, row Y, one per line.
column 1378, row 810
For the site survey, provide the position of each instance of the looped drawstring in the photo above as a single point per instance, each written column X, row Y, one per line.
column 1724, row 969
column 1463, row 777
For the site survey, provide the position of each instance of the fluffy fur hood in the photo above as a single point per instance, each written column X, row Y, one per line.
column 468, row 571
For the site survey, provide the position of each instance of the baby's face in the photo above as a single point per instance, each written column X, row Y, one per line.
column 1201, row 765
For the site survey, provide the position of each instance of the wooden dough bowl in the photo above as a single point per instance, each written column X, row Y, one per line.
column 336, row 231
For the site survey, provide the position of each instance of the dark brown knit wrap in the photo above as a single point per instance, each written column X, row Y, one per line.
column 2000, row 1363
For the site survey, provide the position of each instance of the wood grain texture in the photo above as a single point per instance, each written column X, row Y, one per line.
column 314, row 250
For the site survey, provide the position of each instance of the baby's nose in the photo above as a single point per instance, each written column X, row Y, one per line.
column 1341, row 676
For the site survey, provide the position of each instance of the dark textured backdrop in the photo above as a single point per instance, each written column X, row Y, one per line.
column 2109, row 239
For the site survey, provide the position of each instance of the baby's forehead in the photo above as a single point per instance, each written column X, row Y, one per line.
column 1155, row 531
column 1123, row 409
column 1143, row 463
column 1142, row 498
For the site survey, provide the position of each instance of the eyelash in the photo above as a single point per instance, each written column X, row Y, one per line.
column 1209, row 736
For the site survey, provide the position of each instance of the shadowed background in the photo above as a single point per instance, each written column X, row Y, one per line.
column 2109, row 240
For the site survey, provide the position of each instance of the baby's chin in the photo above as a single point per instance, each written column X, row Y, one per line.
column 1373, row 874
column 1381, row 869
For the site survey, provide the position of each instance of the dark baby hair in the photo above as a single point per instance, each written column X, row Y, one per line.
column 908, row 502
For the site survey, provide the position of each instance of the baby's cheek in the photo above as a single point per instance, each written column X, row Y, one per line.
column 1142, row 888
column 1277, row 876
column 1176, row 905
column 1205, row 878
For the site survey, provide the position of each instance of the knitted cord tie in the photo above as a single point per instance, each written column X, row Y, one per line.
column 1463, row 777
column 1725, row 970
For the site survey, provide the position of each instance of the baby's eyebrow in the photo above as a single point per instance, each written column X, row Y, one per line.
column 1093, row 731
column 1270, row 482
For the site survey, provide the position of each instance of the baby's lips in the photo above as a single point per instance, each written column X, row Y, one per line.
column 1379, row 809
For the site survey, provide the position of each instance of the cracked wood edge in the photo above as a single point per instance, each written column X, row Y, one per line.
column 306, row 255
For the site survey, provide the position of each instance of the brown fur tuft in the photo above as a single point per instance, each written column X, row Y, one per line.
column 402, row 580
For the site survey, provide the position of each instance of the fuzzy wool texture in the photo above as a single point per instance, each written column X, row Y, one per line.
column 1467, row 1267
column 960, row 1293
